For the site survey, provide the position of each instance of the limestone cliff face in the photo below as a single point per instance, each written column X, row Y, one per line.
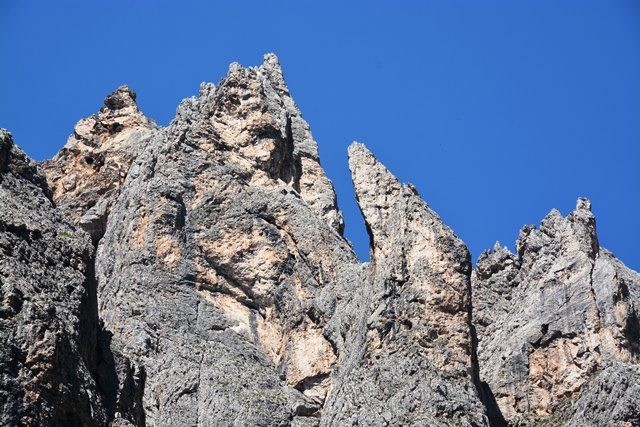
column 554, row 317
column 196, row 274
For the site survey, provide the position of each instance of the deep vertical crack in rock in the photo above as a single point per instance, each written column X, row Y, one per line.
column 593, row 294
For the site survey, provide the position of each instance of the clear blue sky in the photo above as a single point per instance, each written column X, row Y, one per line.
column 496, row 111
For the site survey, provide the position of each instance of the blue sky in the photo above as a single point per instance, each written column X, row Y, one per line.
column 496, row 111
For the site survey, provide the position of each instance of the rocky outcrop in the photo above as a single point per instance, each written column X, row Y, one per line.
column 553, row 316
column 215, row 287
column 411, row 360
column 217, row 255
column 48, row 317
column 86, row 175
column 611, row 400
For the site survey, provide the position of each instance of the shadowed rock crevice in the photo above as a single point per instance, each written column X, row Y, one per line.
column 121, row 386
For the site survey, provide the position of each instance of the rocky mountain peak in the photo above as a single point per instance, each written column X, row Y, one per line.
column 120, row 99
column 250, row 122
column 196, row 274
column 16, row 166
column 552, row 317
column 87, row 174
column 577, row 228
column 271, row 61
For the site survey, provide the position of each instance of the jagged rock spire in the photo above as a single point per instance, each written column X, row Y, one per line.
column 417, row 318
column 377, row 190
column 87, row 174
column 553, row 315
column 121, row 98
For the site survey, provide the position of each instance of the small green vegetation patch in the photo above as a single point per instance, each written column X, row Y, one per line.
column 68, row 235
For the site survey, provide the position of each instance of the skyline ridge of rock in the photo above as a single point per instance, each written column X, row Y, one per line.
column 205, row 280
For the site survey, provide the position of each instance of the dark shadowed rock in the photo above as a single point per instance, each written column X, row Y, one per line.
column 48, row 317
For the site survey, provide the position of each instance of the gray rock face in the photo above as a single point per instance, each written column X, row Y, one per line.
column 215, row 288
column 48, row 317
column 494, row 280
column 213, row 268
column 553, row 315
column 411, row 360
column 610, row 400
column 86, row 175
